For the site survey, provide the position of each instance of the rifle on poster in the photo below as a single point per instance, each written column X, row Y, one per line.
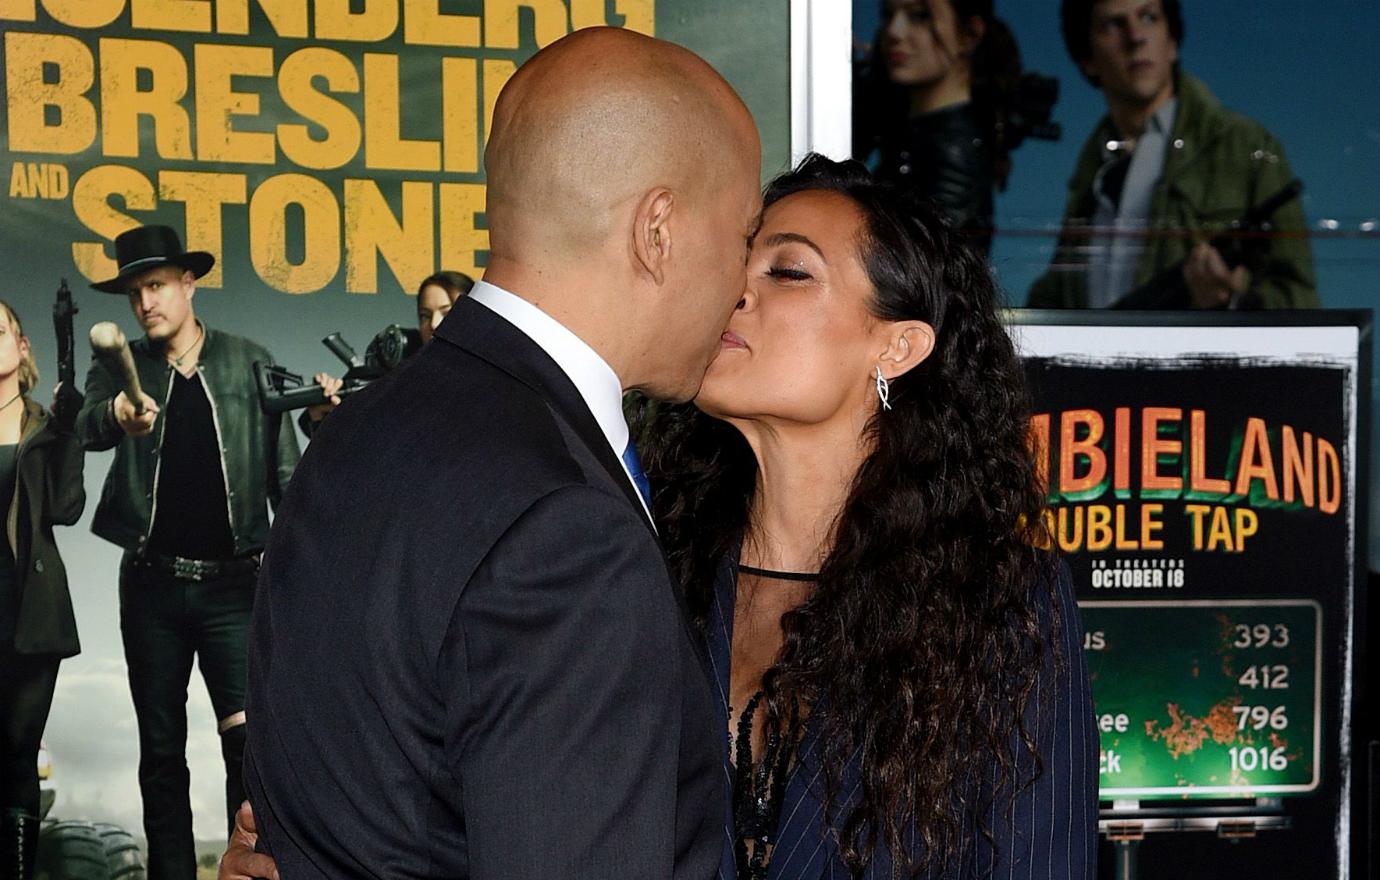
column 282, row 391
column 1246, row 242
column 67, row 399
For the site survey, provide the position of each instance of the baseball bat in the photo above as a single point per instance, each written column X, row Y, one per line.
column 108, row 343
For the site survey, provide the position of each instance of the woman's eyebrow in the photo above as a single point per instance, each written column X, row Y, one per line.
column 787, row 237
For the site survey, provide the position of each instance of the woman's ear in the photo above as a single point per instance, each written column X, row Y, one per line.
column 908, row 344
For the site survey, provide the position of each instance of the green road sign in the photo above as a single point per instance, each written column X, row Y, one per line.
column 1206, row 699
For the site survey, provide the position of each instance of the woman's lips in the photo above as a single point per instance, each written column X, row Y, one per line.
column 729, row 339
column 896, row 59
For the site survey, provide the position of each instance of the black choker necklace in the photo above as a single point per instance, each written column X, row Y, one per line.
column 779, row 575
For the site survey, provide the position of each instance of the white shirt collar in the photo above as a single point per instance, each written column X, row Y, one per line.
column 591, row 375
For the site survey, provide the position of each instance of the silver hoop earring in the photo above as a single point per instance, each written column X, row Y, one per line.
column 883, row 390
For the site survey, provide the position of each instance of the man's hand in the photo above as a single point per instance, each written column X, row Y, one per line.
column 1210, row 283
column 131, row 424
column 330, row 386
column 240, row 862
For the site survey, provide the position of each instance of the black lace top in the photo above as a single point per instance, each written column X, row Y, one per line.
column 759, row 788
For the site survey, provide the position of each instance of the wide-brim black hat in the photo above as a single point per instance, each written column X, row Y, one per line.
column 148, row 247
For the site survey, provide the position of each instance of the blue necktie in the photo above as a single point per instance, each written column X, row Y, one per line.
column 639, row 476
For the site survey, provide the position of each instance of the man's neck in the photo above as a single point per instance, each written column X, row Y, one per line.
column 181, row 344
column 1131, row 118
column 576, row 304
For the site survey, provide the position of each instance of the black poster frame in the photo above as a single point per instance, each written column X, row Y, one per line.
column 1364, row 800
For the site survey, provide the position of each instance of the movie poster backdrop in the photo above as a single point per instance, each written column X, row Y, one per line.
column 329, row 154
column 1203, row 487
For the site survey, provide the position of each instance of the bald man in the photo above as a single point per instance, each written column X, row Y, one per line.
column 468, row 658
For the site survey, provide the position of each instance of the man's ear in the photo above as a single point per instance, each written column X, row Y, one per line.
column 189, row 281
column 652, row 232
column 908, row 344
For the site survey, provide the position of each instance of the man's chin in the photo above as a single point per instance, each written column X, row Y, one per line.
column 680, row 394
column 680, row 389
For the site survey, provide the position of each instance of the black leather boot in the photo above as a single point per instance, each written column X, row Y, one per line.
column 20, row 845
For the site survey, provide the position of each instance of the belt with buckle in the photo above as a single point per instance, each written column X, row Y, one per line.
column 195, row 570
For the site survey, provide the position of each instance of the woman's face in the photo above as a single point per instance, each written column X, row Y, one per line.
column 13, row 347
column 802, row 343
column 920, row 42
column 433, row 304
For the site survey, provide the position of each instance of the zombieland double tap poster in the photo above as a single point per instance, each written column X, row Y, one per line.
column 1202, row 486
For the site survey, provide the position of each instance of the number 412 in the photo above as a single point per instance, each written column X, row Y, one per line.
column 1270, row 678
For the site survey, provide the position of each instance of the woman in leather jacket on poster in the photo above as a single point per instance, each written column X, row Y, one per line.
column 40, row 486
column 942, row 101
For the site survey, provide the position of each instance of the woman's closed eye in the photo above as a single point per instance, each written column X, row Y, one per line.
column 788, row 273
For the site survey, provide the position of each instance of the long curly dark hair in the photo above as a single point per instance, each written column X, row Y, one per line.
column 921, row 639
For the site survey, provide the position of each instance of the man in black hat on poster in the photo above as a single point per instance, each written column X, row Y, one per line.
column 197, row 462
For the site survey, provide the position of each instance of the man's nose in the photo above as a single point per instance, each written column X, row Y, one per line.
column 895, row 25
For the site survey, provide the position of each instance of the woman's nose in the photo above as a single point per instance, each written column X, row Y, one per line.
column 895, row 27
column 747, row 301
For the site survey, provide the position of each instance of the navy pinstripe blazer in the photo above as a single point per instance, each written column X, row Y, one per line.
column 1048, row 831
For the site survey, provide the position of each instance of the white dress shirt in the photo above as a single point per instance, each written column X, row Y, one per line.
column 1123, row 226
column 591, row 375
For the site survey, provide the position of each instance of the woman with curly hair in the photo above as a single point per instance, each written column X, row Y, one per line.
column 855, row 515
column 854, row 511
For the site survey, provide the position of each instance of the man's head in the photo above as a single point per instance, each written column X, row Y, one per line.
column 622, row 190
column 1127, row 48
column 161, row 300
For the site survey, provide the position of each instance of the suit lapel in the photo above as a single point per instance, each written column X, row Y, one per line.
column 483, row 333
column 718, row 637
column 480, row 331
column 801, row 851
column 719, row 631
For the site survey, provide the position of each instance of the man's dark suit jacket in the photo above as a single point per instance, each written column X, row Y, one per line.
column 1048, row 831
column 468, row 658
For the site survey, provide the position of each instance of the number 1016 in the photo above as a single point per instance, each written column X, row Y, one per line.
column 1261, row 758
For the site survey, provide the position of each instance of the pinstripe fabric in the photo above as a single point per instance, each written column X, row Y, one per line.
column 719, row 636
column 1048, row 830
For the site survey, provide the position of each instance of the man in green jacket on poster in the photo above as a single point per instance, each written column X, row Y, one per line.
column 1164, row 174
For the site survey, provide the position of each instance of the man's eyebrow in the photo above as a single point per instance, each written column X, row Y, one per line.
column 787, row 237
